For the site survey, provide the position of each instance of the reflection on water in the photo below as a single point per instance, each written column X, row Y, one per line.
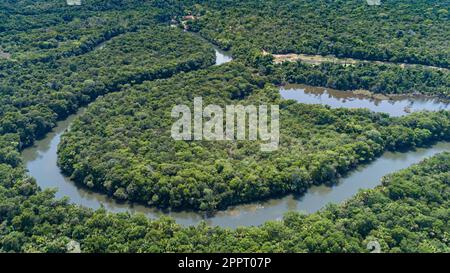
column 222, row 56
column 41, row 163
column 397, row 106
column 365, row 177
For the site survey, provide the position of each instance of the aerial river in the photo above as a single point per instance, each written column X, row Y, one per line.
column 41, row 162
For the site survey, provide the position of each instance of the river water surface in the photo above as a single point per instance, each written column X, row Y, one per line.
column 41, row 161
column 397, row 106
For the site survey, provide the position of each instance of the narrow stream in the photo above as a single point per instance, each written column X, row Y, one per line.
column 41, row 161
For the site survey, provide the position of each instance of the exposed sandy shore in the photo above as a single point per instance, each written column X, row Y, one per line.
column 318, row 59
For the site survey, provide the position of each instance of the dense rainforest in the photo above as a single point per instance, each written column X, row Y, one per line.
column 377, row 78
column 55, row 58
column 34, row 96
column 408, row 213
column 397, row 31
column 122, row 144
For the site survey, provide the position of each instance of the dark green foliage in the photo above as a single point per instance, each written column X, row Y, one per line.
column 38, row 94
column 378, row 78
column 408, row 213
column 396, row 31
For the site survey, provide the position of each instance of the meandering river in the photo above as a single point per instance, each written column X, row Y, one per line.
column 41, row 161
column 222, row 56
